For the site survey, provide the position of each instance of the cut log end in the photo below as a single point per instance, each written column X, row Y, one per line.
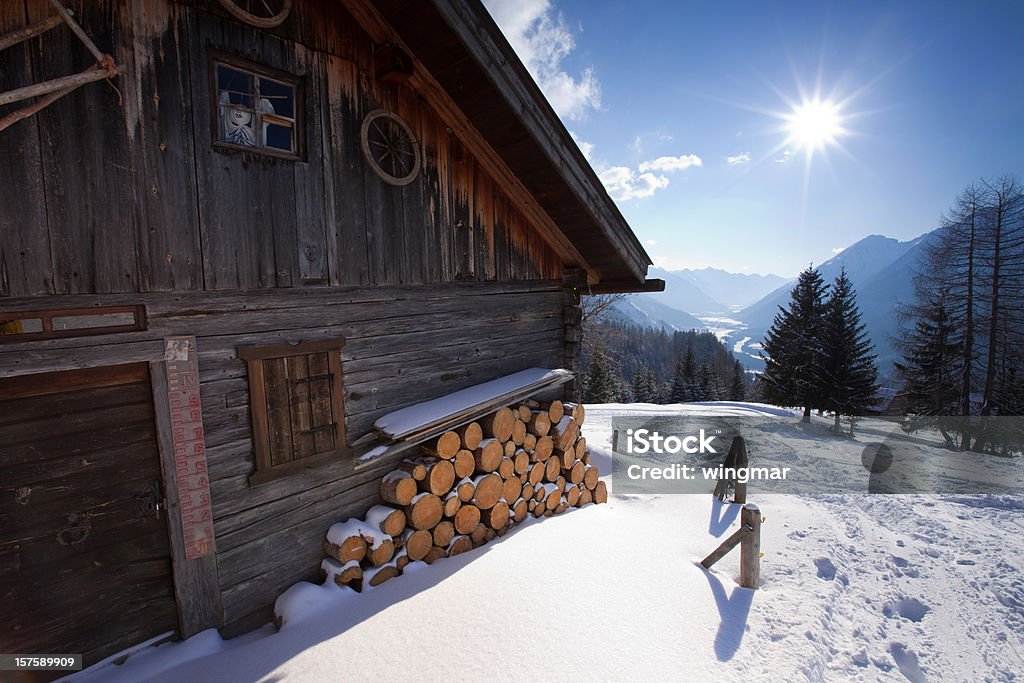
column 471, row 435
column 425, row 511
column 487, row 456
column 448, row 444
column 443, row 533
column 381, row 552
column 397, row 489
column 418, row 543
column 464, row 463
column 466, row 519
column 497, row 516
column 488, row 490
column 351, row 548
column 440, row 478
column 499, row 424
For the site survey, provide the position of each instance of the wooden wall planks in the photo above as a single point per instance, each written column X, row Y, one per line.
column 128, row 202
column 403, row 345
column 128, row 194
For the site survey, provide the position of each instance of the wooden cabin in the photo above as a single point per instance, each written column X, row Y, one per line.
column 229, row 242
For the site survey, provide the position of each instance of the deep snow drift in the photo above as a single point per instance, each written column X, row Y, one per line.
column 853, row 586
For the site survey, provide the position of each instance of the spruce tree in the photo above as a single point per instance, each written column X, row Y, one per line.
column 738, row 390
column 847, row 364
column 708, row 388
column 682, row 379
column 600, row 385
column 930, row 368
column 792, row 347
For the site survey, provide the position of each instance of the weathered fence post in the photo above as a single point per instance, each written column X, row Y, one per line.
column 750, row 546
column 736, row 458
column 741, row 462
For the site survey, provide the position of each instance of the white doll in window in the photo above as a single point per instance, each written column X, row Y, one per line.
column 237, row 124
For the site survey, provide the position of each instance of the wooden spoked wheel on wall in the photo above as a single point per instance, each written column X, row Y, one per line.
column 259, row 13
column 390, row 147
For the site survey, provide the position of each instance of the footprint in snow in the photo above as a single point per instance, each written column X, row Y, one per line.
column 908, row 608
column 906, row 662
column 826, row 570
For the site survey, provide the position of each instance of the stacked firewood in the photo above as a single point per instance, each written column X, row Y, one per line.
column 466, row 487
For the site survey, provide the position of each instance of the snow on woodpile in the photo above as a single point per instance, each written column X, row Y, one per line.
column 414, row 418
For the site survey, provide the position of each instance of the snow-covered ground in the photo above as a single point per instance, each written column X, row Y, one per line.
column 854, row 586
column 721, row 325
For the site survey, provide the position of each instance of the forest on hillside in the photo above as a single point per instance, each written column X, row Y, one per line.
column 627, row 363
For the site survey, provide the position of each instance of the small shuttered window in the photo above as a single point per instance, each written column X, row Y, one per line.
column 297, row 406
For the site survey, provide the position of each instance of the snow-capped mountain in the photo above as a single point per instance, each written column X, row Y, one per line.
column 881, row 269
column 684, row 293
column 646, row 310
column 735, row 290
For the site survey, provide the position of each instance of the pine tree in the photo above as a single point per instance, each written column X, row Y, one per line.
column 600, row 386
column 682, row 378
column 847, row 364
column 793, row 345
column 738, row 391
column 708, row 388
column 930, row 368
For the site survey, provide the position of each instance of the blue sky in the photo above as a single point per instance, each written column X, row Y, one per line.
column 677, row 106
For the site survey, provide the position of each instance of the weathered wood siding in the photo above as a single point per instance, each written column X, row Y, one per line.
column 404, row 345
column 119, row 197
column 116, row 191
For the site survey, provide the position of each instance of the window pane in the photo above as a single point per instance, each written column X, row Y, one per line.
column 20, row 326
column 234, row 86
column 278, row 137
column 78, row 322
column 279, row 96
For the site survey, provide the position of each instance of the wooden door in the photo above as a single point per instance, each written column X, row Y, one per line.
column 84, row 558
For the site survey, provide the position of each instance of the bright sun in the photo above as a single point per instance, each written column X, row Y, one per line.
column 814, row 124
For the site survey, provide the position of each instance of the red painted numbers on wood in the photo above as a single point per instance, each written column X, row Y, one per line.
column 189, row 443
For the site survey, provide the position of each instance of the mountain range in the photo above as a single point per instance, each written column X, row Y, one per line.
column 740, row 308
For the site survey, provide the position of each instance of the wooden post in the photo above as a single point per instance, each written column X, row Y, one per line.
column 750, row 546
column 741, row 462
column 722, row 550
column 615, row 441
column 196, row 585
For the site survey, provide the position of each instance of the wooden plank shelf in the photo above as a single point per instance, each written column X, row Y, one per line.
column 402, row 429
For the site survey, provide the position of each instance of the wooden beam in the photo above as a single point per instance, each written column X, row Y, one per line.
column 627, row 286
column 722, row 550
column 488, row 46
column 93, row 73
column 196, row 585
column 15, row 37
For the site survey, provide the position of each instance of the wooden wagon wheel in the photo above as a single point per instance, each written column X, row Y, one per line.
column 390, row 147
column 259, row 13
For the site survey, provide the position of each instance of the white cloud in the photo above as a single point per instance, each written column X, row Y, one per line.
column 739, row 159
column 539, row 35
column 585, row 147
column 671, row 263
column 838, row 249
column 784, row 158
column 623, row 183
column 651, row 243
column 671, row 163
